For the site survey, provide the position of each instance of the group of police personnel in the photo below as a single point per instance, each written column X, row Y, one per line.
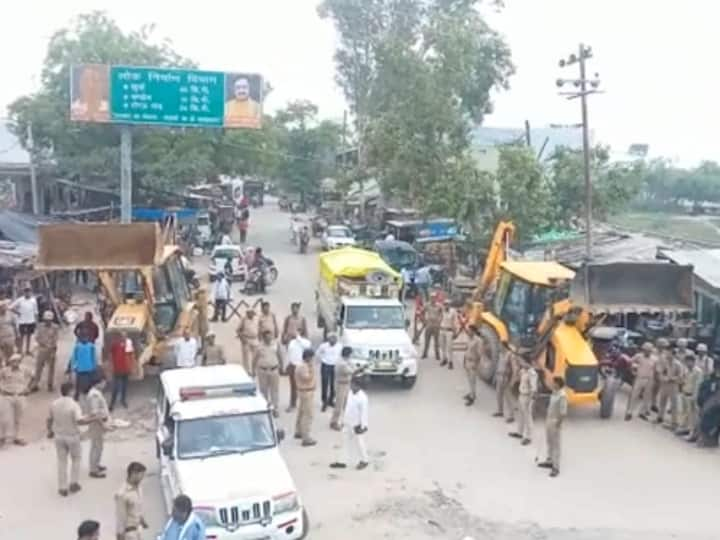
column 668, row 382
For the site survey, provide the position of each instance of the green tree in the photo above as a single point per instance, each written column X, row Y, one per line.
column 308, row 147
column 614, row 185
column 163, row 158
column 417, row 74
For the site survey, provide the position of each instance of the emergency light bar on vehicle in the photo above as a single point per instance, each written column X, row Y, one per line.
column 188, row 393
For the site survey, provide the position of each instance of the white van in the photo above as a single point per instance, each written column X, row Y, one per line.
column 217, row 443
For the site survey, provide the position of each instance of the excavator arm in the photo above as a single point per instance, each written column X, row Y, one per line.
column 497, row 254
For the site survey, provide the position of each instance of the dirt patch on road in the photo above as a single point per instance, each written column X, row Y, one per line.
column 434, row 515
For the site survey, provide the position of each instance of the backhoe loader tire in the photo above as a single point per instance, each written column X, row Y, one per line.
column 489, row 362
column 607, row 397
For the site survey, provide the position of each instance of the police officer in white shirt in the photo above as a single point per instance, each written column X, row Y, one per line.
column 328, row 353
column 186, row 351
column 355, row 427
column 295, row 349
column 26, row 309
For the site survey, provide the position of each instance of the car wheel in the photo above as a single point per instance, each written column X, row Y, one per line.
column 408, row 382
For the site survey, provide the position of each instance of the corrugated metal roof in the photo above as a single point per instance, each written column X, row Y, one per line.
column 705, row 262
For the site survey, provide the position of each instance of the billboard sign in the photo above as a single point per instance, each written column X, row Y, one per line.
column 165, row 96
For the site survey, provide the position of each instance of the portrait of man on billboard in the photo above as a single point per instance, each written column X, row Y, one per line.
column 90, row 93
column 243, row 100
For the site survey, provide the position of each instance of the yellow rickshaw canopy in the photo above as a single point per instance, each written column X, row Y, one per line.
column 351, row 262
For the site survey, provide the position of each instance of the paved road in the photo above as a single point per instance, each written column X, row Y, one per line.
column 440, row 470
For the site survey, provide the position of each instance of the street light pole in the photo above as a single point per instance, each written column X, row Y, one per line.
column 586, row 87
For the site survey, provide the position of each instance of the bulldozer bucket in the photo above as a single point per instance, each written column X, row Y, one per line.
column 98, row 246
column 633, row 287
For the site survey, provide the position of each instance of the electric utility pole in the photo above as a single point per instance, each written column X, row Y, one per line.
column 584, row 87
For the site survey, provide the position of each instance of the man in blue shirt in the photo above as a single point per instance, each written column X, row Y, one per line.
column 184, row 524
column 423, row 280
column 83, row 363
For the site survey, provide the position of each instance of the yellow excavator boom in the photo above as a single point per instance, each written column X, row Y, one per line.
column 497, row 254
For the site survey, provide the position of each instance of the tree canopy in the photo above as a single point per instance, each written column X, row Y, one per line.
column 417, row 74
column 163, row 158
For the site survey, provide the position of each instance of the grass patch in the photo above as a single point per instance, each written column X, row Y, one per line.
column 699, row 229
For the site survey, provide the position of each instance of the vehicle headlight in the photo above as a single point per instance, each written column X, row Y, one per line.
column 286, row 502
column 361, row 352
column 207, row 515
column 408, row 351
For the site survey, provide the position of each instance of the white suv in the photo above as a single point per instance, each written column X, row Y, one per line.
column 217, row 443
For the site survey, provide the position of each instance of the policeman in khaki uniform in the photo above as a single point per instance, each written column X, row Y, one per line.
column 670, row 372
column 503, row 387
column 47, row 340
column 249, row 333
column 8, row 333
column 471, row 362
column 704, row 361
column 644, row 366
column 305, row 381
column 682, row 351
column 63, row 424
column 344, row 371
column 448, row 327
column 14, row 386
column 268, row 321
column 214, row 354
column 268, row 364
column 556, row 413
column 130, row 520
column 433, row 320
column 99, row 415
column 526, row 396
column 689, row 389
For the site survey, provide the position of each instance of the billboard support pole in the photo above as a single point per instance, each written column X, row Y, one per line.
column 125, row 174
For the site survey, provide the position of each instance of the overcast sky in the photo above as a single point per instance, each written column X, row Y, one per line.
column 657, row 58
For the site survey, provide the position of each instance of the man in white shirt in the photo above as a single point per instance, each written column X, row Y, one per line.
column 186, row 351
column 221, row 296
column 26, row 309
column 355, row 427
column 328, row 352
column 295, row 349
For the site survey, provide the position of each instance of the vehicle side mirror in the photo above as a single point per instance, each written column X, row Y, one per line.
column 280, row 433
column 167, row 447
column 407, row 324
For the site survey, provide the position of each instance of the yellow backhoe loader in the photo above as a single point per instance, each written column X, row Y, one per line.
column 544, row 311
column 142, row 279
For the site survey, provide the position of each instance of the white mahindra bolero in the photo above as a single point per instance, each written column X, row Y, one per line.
column 217, row 443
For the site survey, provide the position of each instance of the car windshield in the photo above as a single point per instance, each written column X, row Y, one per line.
column 375, row 317
column 399, row 258
column 222, row 435
column 225, row 253
column 339, row 232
